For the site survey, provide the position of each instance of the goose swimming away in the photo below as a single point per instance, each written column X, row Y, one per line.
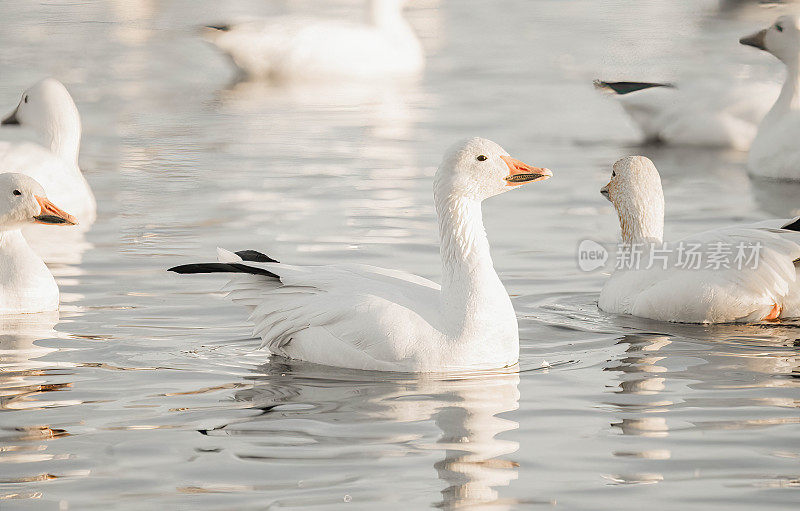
column 735, row 274
column 698, row 114
column 26, row 285
column 365, row 317
column 775, row 152
column 290, row 47
column 48, row 109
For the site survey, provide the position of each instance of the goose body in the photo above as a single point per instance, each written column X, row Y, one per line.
column 775, row 152
column 26, row 284
column 700, row 114
column 48, row 109
column 365, row 317
column 756, row 278
column 289, row 47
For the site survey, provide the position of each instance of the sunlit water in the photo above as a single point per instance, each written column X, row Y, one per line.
column 148, row 393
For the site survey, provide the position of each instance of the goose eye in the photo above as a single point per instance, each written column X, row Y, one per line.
column 17, row 192
column 779, row 28
column 613, row 173
column 25, row 99
column 482, row 158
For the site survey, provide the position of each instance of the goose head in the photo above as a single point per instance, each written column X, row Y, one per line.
column 478, row 168
column 782, row 39
column 636, row 193
column 48, row 109
column 23, row 201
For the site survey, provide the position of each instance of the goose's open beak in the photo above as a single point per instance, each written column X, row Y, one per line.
column 755, row 40
column 11, row 118
column 522, row 173
column 51, row 214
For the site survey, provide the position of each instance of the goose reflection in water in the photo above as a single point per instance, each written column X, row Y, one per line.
column 313, row 414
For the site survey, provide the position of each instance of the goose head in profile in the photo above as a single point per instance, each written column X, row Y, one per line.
column 782, row 39
column 23, row 201
column 478, row 168
column 636, row 193
column 48, row 109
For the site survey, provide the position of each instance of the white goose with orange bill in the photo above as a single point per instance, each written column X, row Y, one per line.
column 775, row 152
column 365, row 317
column 26, row 284
column 48, row 109
column 742, row 273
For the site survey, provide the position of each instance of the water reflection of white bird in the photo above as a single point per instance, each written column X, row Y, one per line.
column 49, row 110
column 321, row 405
column 291, row 47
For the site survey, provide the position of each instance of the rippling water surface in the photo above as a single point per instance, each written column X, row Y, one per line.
column 147, row 392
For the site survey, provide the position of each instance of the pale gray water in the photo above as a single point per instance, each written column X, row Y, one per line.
column 149, row 395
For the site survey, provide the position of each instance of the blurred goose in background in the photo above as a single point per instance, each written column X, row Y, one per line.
column 365, row 317
column 26, row 285
column 664, row 286
column 775, row 152
column 48, row 109
column 291, row 47
column 701, row 114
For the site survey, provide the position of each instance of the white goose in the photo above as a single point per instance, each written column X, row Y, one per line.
column 26, row 285
column 290, row 47
column 364, row 317
column 669, row 283
column 775, row 152
column 701, row 114
column 48, row 109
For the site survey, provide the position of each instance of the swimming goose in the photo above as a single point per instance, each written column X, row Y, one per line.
column 775, row 152
column 289, row 47
column 48, row 109
column 365, row 317
column 26, row 285
column 735, row 274
column 701, row 114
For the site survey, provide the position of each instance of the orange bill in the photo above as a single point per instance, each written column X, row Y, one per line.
column 522, row 173
column 51, row 214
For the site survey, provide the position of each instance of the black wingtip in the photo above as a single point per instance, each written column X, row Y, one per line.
column 623, row 88
column 255, row 256
column 186, row 269
column 794, row 225
column 221, row 28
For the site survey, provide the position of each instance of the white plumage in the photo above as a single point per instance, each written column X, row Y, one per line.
column 763, row 284
column 290, row 47
column 775, row 152
column 365, row 317
column 695, row 114
column 26, row 285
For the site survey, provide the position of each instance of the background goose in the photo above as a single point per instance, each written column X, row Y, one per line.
column 297, row 47
column 775, row 152
column 766, row 288
column 365, row 317
column 701, row 114
column 48, row 109
column 26, row 285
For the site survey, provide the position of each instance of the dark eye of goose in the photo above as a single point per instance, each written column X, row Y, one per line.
column 779, row 28
column 613, row 173
column 25, row 98
column 17, row 192
column 482, row 158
